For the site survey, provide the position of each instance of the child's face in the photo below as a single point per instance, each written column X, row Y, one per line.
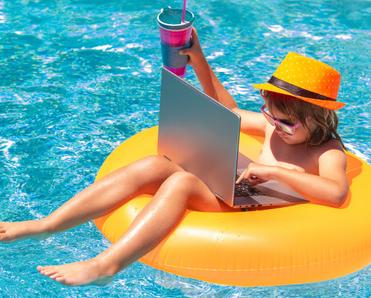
column 300, row 135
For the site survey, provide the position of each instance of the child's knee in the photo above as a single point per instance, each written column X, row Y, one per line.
column 154, row 161
column 157, row 163
column 183, row 181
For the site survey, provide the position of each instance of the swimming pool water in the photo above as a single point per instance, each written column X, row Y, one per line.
column 77, row 78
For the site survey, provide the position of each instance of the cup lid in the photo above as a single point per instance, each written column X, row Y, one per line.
column 171, row 18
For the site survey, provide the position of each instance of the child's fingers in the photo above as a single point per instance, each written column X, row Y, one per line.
column 185, row 51
column 194, row 34
column 254, row 182
column 241, row 177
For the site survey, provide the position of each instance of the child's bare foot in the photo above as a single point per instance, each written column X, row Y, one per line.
column 10, row 231
column 79, row 273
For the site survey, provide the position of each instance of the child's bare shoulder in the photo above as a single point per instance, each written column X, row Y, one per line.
column 332, row 144
column 330, row 150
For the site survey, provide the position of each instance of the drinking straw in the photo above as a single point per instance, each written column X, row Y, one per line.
column 184, row 10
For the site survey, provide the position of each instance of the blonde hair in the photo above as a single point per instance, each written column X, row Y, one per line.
column 325, row 120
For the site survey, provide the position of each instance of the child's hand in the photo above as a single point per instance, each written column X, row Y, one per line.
column 256, row 173
column 194, row 52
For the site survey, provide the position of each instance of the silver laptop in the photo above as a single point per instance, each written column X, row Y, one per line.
column 202, row 136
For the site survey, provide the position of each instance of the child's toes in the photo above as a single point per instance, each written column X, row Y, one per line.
column 50, row 272
column 40, row 269
column 56, row 275
column 47, row 270
column 4, row 236
column 43, row 268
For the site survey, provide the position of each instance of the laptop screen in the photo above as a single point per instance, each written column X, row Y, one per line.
column 199, row 134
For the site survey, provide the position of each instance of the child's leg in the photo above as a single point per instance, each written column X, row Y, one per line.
column 180, row 191
column 143, row 176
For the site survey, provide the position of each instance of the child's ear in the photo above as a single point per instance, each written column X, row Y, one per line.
column 309, row 122
column 309, row 119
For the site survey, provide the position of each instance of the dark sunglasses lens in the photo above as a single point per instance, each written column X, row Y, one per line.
column 285, row 128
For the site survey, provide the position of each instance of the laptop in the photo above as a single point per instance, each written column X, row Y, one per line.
column 202, row 136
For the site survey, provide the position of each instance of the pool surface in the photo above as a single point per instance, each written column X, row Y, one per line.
column 77, row 78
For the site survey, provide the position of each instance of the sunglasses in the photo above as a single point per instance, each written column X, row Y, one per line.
column 283, row 125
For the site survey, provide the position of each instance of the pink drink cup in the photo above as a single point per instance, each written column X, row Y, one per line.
column 175, row 36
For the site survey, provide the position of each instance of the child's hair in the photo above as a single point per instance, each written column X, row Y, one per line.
column 326, row 121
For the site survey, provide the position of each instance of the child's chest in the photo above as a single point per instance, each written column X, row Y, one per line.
column 297, row 157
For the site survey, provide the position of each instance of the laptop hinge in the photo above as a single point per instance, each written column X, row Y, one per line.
column 219, row 196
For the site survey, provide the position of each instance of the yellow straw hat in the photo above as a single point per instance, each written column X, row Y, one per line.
column 307, row 79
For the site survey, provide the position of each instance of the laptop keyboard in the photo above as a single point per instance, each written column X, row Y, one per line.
column 243, row 188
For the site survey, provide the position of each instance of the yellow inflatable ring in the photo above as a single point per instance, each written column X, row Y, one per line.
column 276, row 246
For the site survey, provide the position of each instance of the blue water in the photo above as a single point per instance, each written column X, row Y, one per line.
column 77, row 78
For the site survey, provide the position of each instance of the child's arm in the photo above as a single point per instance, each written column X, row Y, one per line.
column 330, row 187
column 251, row 122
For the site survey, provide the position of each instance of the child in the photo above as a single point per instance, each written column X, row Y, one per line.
column 301, row 149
